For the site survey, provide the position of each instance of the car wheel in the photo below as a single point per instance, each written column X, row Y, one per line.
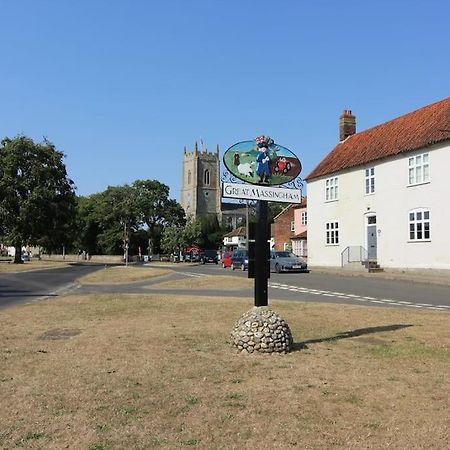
column 277, row 268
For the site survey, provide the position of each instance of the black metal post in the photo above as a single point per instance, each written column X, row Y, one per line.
column 261, row 254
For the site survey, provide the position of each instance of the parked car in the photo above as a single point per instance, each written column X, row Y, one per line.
column 209, row 256
column 226, row 259
column 191, row 257
column 283, row 261
column 239, row 260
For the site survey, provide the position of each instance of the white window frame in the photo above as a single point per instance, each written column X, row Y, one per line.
column 332, row 232
column 292, row 225
column 419, row 169
column 419, row 225
column 332, row 189
column 369, row 184
column 304, row 218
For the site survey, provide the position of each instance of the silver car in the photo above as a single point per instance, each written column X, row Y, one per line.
column 283, row 261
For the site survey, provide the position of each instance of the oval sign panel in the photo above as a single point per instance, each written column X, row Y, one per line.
column 262, row 162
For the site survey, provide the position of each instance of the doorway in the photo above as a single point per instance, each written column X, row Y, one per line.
column 372, row 237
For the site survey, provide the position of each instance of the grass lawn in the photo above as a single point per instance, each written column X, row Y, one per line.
column 123, row 274
column 157, row 371
column 6, row 266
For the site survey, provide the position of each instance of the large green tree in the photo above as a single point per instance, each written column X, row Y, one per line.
column 37, row 199
column 175, row 239
column 135, row 213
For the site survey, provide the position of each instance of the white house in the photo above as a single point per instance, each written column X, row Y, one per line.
column 236, row 238
column 382, row 194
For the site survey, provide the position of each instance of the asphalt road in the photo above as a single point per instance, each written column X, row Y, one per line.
column 318, row 287
column 24, row 287
column 330, row 288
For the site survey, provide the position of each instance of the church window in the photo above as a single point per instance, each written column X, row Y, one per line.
column 206, row 177
column 189, row 177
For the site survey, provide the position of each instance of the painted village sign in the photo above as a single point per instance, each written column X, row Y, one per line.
column 265, row 165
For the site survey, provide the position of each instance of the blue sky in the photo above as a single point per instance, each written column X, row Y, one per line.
column 122, row 86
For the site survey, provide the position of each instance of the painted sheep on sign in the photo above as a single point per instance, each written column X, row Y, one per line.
column 261, row 161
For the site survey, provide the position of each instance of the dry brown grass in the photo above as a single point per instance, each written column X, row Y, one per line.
column 139, row 372
column 123, row 274
column 6, row 266
column 206, row 282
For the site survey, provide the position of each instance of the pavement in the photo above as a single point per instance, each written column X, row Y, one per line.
column 427, row 276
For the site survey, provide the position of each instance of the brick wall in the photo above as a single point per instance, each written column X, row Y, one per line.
column 281, row 228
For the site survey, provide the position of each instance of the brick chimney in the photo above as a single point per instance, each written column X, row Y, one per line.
column 347, row 125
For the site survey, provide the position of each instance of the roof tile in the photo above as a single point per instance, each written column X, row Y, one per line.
column 421, row 128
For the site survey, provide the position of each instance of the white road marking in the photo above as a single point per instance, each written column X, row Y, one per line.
column 385, row 301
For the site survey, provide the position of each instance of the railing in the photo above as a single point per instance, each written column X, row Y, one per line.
column 353, row 253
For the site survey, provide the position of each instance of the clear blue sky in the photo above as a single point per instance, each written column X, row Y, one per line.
column 122, row 86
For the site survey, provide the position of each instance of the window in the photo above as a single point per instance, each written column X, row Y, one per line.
column 370, row 180
column 304, row 218
column 331, row 189
column 419, row 169
column 292, row 226
column 206, row 177
column 332, row 235
column 189, row 177
column 419, row 225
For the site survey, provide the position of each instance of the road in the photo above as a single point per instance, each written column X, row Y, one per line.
column 24, row 287
column 330, row 288
column 318, row 287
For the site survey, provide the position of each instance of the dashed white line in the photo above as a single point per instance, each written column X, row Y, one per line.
column 383, row 301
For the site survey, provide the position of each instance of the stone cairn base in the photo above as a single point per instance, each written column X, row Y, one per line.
column 261, row 330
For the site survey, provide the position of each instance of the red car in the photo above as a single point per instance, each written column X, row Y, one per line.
column 226, row 259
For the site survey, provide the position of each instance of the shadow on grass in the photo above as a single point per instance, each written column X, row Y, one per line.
column 349, row 334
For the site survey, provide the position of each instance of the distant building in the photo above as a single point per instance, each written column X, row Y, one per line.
column 236, row 238
column 201, row 190
column 289, row 229
column 380, row 195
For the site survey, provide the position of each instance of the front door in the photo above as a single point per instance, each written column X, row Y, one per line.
column 372, row 237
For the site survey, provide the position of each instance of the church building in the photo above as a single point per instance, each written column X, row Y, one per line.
column 201, row 191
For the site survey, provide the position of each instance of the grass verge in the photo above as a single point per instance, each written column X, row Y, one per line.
column 147, row 371
column 123, row 274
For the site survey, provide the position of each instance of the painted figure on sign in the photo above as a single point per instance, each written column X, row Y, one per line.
column 263, row 158
column 263, row 169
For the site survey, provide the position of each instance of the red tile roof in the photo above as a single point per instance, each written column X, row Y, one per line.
column 426, row 126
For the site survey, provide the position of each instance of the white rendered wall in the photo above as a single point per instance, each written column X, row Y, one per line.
column 391, row 202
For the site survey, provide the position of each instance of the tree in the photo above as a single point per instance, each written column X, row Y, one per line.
column 128, row 214
column 176, row 239
column 155, row 206
column 212, row 232
column 37, row 199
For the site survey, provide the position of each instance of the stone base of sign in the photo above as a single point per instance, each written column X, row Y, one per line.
column 261, row 330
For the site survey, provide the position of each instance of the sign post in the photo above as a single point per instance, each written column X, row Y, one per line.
column 261, row 268
column 263, row 166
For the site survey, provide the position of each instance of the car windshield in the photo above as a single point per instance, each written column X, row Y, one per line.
column 240, row 253
column 284, row 255
column 210, row 253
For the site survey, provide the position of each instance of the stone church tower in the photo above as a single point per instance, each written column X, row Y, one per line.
column 200, row 189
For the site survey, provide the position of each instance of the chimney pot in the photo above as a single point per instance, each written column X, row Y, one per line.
column 347, row 124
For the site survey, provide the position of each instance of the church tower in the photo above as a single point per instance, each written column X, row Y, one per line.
column 200, row 189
